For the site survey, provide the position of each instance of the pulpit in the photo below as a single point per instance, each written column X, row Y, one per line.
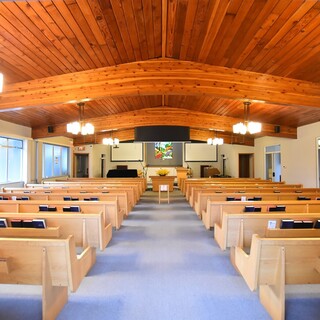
column 182, row 173
column 162, row 180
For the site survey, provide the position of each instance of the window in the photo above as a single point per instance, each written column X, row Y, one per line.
column 11, row 159
column 55, row 161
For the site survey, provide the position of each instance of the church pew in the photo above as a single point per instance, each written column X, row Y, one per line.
column 216, row 180
column 51, row 263
column 276, row 262
column 121, row 197
column 83, row 185
column 237, row 185
column 140, row 181
column 131, row 196
column 109, row 209
column 213, row 213
column 235, row 227
column 193, row 199
column 203, row 196
column 87, row 229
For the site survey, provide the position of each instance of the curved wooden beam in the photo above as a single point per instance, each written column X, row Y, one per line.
column 165, row 116
column 161, row 76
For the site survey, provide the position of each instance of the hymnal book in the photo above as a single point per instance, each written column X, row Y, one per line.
column 303, row 198
column 75, row 209
column 74, row 199
column 4, row 198
column 39, row 223
column 94, row 199
column 317, row 224
column 66, row 198
column 66, row 209
column 297, row 224
column 277, row 208
column 257, row 209
column 27, row 223
column 52, row 208
column 16, row 223
column 249, row 209
column 305, row 224
column 230, row 199
column 24, row 198
column 26, row 191
column 257, row 198
column 86, row 199
column 43, row 207
column 3, row 223
column 286, row 224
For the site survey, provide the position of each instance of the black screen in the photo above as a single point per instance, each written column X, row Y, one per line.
column 161, row 133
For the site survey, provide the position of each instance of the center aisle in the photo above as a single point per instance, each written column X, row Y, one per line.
column 163, row 264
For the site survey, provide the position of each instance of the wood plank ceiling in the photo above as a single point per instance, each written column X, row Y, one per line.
column 160, row 62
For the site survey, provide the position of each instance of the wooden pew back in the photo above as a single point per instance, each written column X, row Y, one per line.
column 275, row 262
column 87, row 229
column 214, row 211
column 203, row 196
column 111, row 213
column 52, row 263
column 238, row 228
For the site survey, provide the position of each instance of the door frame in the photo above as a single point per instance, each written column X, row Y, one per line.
column 250, row 167
column 75, row 162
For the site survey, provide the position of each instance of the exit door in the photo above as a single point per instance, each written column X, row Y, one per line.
column 273, row 165
column 81, row 166
column 246, row 165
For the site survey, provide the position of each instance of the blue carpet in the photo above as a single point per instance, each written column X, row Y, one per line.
column 161, row 265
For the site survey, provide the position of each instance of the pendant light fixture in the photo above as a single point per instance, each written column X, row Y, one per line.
column 80, row 126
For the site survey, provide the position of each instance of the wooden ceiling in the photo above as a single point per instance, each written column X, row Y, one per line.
column 160, row 62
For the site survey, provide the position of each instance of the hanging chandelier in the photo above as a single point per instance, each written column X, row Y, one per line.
column 80, row 126
column 246, row 125
column 111, row 142
column 215, row 141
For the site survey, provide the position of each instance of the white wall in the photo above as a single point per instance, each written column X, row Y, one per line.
column 231, row 152
column 298, row 156
column 14, row 130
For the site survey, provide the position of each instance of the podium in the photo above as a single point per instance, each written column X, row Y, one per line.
column 182, row 173
column 162, row 180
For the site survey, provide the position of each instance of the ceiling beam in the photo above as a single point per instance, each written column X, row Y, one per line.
column 160, row 76
column 165, row 116
column 195, row 135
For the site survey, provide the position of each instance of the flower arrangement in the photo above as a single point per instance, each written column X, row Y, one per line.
column 162, row 172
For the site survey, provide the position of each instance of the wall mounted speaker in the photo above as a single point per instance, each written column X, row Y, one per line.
column 50, row 129
column 277, row 129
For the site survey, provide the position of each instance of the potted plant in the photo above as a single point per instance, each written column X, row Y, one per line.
column 162, row 172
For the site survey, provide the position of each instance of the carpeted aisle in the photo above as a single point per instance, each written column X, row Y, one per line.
column 161, row 265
